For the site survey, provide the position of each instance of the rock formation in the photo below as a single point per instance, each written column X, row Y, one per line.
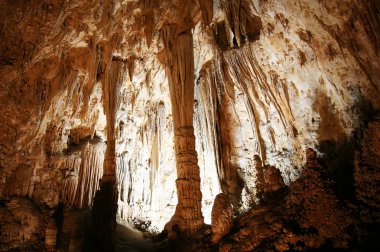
column 82, row 173
column 273, row 180
column 180, row 68
column 21, row 222
column 144, row 111
column 307, row 217
column 260, row 180
column 367, row 163
column 105, row 201
column 366, row 177
column 221, row 217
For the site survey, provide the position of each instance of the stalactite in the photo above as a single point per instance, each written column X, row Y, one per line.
column 148, row 7
column 265, row 99
column 223, row 133
column 70, row 181
column 146, row 167
column 82, row 174
column 241, row 77
column 94, row 59
column 180, row 71
column 90, row 173
column 240, row 21
column 245, row 73
column 216, row 94
column 207, row 11
column 158, row 125
column 308, row 77
column 206, row 125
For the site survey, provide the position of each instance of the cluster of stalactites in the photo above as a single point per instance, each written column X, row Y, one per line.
column 82, row 174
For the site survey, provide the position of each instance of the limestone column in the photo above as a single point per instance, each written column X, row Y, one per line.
column 180, row 70
column 105, row 201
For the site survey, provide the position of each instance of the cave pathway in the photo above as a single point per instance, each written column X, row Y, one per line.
column 131, row 240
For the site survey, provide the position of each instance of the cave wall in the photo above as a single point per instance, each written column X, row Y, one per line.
column 272, row 78
column 308, row 78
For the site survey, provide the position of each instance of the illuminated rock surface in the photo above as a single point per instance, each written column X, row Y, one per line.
column 87, row 90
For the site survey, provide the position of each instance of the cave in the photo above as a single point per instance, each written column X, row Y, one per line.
column 175, row 125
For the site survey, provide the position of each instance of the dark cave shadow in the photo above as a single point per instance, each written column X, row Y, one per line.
column 131, row 240
column 338, row 149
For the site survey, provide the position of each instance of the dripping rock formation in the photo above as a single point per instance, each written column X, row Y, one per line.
column 143, row 125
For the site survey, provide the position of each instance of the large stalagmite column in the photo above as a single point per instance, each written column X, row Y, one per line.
column 180, row 70
column 105, row 201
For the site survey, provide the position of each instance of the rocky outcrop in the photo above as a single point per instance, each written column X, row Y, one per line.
column 273, row 180
column 308, row 217
column 221, row 217
column 367, row 165
column 21, row 223
column 367, row 187
column 31, row 227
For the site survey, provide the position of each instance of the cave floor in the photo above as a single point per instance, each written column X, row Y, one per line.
column 132, row 240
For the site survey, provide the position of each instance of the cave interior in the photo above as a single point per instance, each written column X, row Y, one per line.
column 175, row 125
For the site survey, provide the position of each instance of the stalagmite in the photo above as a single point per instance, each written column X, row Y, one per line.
column 180, row 70
column 222, row 217
column 273, row 180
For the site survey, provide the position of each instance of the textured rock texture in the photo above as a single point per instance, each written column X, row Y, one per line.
column 273, row 179
column 221, row 217
column 309, row 217
column 82, row 172
column 20, row 224
column 366, row 177
column 86, row 90
column 367, row 164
